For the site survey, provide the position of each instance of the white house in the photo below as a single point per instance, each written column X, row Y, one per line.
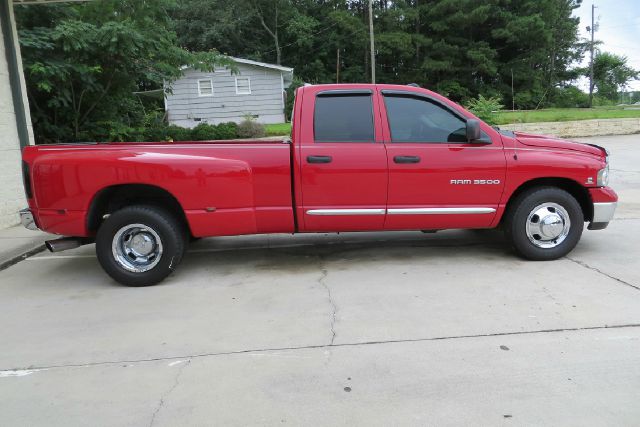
column 256, row 89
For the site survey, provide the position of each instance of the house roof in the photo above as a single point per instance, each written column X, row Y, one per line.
column 255, row 63
column 262, row 64
column 287, row 72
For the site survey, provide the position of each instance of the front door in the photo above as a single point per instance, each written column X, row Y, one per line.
column 342, row 162
column 438, row 179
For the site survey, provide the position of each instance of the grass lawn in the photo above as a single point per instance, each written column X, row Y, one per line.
column 523, row 116
column 278, row 129
column 565, row 114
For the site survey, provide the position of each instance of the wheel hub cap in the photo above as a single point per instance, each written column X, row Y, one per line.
column 551, row 226
column 137, row 248
column 548, row 225
column 142, row 244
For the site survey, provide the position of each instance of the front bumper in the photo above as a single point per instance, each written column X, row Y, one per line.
column 602, row 214
column 26, row 218
column 605, row 201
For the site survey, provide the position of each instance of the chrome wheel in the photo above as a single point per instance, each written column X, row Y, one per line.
column 548, row 225
column 136, row 248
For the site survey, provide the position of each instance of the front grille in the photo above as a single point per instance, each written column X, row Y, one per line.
column 26, row 178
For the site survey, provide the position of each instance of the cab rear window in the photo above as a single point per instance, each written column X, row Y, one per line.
column 343, row 118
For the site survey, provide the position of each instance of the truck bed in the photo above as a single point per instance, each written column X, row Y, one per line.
column 223, row 187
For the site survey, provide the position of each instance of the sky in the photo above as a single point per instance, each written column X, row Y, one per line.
column 619, row 30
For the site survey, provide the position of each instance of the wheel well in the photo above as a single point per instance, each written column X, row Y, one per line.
column 112, row 198
column 580, row 193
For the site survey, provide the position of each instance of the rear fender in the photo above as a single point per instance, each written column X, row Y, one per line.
column 66, row 184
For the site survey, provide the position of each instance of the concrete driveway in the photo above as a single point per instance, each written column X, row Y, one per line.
column 368, row 329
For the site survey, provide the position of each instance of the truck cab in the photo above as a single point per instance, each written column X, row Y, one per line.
column 415, row 160
column 405, row 155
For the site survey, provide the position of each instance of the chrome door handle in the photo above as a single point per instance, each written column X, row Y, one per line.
column 406, row 159
column 319, row 159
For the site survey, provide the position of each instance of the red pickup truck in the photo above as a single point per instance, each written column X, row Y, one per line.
column 361, row 157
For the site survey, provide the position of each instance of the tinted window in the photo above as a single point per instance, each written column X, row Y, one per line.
column 345, row 118
column 420, row 120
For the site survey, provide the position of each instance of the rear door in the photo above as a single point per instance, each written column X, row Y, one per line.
column 342, row 161
column 438, row 179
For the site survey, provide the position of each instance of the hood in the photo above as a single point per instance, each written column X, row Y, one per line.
column 553, row 142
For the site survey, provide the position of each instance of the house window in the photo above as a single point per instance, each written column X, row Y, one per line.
column 205, row 87
column 243, row 86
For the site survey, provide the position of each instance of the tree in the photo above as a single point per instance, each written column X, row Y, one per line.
column 611, row 74
column 460, row 48
column 84, row 62
column 201, row 25
column 268, row 11
column 537, row 41
column 249, row 28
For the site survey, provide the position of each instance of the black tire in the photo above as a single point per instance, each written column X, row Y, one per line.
column 517, row 216
column 166, row 227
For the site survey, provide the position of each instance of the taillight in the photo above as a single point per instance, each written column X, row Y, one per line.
column 26, row 178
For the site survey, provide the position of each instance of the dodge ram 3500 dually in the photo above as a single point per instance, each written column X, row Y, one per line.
column 361, row 157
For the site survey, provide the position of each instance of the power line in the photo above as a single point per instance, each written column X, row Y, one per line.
column 605, row 45
column 294, row 42
column 618, row 26
column 321, row 46
column 623, row 25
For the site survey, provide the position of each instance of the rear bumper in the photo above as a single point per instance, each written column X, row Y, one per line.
column 63, row 222
column 26, row 219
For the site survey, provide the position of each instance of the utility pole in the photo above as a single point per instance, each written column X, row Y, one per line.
column 593, row 32
column 373, row 55
column 338, row 65
column 513, row 98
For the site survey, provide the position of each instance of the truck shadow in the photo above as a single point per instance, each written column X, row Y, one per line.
column 256, row 257
column 297, row 254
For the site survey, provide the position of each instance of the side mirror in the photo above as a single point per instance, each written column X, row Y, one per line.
column 473, row 130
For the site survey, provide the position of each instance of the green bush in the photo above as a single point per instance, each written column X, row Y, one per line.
column 249, row 128
column 204, row 132
column 177, row 133
column 485, row 108
column 569, row 97
column 601, row 101
column 113, row 131
column 155, row 131
column 159, row 131
column 291, row 91
column 227, row 130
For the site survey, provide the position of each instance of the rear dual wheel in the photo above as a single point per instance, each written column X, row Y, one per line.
column 140, row 245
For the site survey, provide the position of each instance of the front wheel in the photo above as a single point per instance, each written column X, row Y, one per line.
column 544, row 223
column 140, row 245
